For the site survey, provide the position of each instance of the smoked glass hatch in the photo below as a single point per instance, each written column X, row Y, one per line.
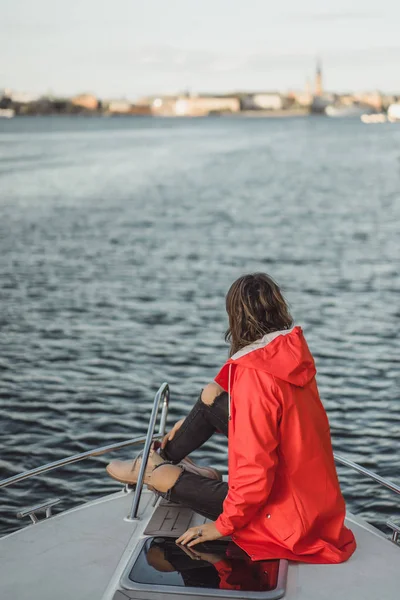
column 218, row 565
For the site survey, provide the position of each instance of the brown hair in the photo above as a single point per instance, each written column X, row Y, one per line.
column 255, row 306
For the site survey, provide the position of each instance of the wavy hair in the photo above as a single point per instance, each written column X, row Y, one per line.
column 255, row 307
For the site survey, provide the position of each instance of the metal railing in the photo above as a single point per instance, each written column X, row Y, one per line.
column 72, row 459
column 385, row 482
column 162, row 394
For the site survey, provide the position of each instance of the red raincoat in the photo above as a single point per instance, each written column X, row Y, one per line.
column 284, row 499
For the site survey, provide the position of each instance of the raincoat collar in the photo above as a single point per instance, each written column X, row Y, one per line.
column 261, row 343
column 282, row 354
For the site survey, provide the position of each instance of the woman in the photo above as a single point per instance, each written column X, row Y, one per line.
column 283, row 498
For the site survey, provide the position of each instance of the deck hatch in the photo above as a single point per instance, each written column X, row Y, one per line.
column 161, row 569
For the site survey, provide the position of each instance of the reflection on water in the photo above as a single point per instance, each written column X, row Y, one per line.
column 118, row 241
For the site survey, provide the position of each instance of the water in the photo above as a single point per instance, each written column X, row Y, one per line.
column 118, row 241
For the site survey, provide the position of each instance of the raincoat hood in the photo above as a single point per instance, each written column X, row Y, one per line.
column 282, row 354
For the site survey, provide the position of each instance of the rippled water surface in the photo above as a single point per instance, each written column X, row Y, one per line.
column 118, row 241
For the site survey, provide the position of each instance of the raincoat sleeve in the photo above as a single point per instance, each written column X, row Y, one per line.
column 252, row 444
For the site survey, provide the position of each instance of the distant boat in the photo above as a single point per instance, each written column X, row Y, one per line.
column 320, row 103
column 374, row 118
column 394, row 112
column 7, row 113
column 345, row 111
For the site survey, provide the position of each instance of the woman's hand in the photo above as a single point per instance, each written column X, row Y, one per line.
column 207, row 556
column 169, row 436
column 197, row 535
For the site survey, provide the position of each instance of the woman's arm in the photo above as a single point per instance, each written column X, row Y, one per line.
column 253, row 440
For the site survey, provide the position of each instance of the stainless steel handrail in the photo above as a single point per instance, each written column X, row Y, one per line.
column 385, row 482
column 32, row 510
column 73, row 459
column 395, row 530
column 162, row 394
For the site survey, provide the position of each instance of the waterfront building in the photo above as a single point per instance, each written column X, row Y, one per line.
column 264, row 101
column 140, row 110
column 345, row 99
column 119, row 107
column 87, row 101
column 194, row 106
column 22, row 97
column 160, row 106
column 303, row 98
column 125, row 107
column 199, row 106
column 373, row 99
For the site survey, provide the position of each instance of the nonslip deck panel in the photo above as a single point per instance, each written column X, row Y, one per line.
column 172, row 520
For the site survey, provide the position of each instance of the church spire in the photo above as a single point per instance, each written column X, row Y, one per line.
column 318, row 79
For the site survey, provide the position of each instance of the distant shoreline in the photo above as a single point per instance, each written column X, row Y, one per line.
column 273, row 114
column 253, row 114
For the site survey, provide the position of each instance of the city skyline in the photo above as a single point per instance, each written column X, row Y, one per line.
column 129, row 49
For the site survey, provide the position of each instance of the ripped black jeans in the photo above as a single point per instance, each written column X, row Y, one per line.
column 202, row 494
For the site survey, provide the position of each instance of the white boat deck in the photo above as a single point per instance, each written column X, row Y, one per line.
column 372, row 573
column 80, row 555
column 73, row 555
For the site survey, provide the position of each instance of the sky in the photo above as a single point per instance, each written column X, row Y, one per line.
column 131, row 48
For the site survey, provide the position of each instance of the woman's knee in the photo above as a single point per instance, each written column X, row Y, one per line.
column 164, row 477
column 210, row 392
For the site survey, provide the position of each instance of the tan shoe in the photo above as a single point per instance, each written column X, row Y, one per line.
column 127, row 471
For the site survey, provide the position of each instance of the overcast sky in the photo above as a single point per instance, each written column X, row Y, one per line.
column 129, row 48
